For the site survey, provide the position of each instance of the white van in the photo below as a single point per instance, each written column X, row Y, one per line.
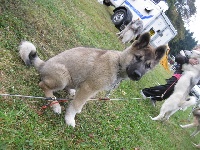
column 151, row 13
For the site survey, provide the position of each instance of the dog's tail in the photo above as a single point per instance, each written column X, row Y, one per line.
column 29, row 55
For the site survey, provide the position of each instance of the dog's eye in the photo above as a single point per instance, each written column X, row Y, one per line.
column 147, row 65
column 138, row 58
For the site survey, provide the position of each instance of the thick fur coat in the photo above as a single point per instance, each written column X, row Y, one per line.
column 90, row 70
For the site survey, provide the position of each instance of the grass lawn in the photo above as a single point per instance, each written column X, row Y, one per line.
column 56, row 25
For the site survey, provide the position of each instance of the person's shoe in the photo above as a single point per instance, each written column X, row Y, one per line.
column 153, row 102
column 143, row 96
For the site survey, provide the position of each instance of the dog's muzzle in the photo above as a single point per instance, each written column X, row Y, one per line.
column 134, row 75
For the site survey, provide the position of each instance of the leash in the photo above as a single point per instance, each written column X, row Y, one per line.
column 62, row 99
column 25, row 96
column 168, row 88
column 54, row 100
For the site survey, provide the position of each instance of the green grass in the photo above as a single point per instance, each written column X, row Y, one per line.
column 55, row 26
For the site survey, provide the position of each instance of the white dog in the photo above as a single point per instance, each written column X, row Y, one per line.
column 179, row 99
column 131, row 31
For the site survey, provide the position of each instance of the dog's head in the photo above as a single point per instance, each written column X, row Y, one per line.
column 186, row 53
column 142, row 57
column 195, row 54
column 190, row 54
column 137, row 25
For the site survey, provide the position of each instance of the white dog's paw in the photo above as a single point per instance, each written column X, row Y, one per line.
column 70, row 121
column 56, row 108
column 151, row 117
column 159, row 117
column 181, row 126
column 72, row 93
column 154, row 118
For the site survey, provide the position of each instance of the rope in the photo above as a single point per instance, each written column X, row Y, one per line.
column 23, row 96
column 35, row 97
column 64, row 99
column 54, row 100
column 168, row 88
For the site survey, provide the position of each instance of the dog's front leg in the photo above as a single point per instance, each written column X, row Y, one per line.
column 159, row 117
column 169, row 114
column 196, row 131
column 76, row 105
column 49, row 93
column 70, row 115
column 162, row 114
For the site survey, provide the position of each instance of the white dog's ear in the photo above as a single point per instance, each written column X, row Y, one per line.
column 182, row 52
column 160, row 51
column 143, row 41
column 196, row 52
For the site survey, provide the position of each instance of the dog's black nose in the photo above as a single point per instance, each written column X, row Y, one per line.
column 133, row 74
column 137, row 75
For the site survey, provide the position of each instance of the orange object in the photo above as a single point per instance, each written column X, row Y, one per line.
column 164, row 60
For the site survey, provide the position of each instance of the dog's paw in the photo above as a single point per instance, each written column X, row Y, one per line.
column 70, row 121
column 181, row 126
column 72, row 93
column 56, row 108
column 153, row 118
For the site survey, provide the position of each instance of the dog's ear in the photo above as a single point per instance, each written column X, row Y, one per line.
column 160, row 51
column 143, row 41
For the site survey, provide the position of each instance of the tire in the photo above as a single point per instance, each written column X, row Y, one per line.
column 119, row 17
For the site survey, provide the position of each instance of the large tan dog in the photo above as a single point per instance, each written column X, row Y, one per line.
column 90, row 70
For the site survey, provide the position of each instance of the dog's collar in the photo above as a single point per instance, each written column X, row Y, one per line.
column 119, row 68
column 119, row 72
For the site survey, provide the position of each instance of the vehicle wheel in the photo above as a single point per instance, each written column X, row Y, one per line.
column 118, row 17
